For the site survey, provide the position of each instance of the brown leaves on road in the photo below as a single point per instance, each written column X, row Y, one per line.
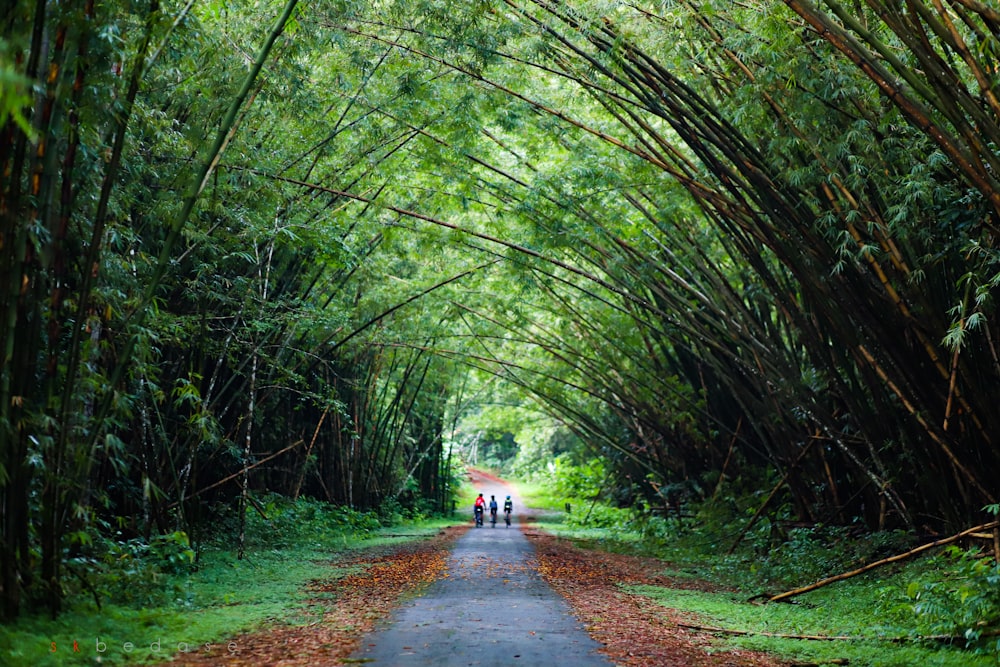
column 635, row 631
column 358, row 602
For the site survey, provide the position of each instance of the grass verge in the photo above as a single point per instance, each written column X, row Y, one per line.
column 848, row 615
column 222, row 598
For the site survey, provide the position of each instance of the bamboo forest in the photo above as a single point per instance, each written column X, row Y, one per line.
column 700, row 268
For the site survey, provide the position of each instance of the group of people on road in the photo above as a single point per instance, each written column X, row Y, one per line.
column 480, row 507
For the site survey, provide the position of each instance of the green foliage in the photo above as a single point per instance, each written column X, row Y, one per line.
column 14, row 95
column 393, row 511
column 577, row 482
column 136, row 572
column 582, row 487
column 172, row 553
column 884, row 615
column 771, row 556
column 284, row 522
column 962, row 601
column 210, row 602
column 851, row 613
column 810, row 554
column 599, row 515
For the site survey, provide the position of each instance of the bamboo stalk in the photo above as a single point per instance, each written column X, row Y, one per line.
column 239, row 472
column 938, row 439
column 885, row 561
column 776, row 635
column 725, row 465
column 996, row 544
column 305, row 458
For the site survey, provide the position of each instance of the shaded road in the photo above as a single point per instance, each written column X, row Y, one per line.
column 491, row 609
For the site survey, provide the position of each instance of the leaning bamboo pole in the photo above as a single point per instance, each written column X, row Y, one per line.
column 885, row 561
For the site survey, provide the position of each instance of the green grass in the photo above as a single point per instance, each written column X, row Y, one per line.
column 539, row 496
column 212, row 605
column 843, row 610
column 224, row 598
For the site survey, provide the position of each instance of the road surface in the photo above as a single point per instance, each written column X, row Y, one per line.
column 492, row 609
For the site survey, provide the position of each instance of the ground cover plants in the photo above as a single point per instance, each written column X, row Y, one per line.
column 146, row 600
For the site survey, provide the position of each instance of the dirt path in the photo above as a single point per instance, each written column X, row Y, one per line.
column 490, row 608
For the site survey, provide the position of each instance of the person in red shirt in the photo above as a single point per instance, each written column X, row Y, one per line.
column 478, row 509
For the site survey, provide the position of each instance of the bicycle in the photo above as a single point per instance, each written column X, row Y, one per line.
column 479, row 516
column 493, row 518
column 506, row 517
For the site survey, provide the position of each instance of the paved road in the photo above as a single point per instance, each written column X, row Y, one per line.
column 492, row 610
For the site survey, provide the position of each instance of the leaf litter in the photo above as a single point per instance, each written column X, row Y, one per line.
column 634, row 630
column 343, row 608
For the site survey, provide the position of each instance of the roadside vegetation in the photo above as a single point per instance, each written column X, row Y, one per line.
column 143, row 601
column 938, row 609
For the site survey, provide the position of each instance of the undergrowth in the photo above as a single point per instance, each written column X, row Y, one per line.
column 858, row 632
column 942, row 609
column 141, row 601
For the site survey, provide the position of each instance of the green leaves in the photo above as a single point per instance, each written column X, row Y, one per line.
column 14, row 95
column 963, row 603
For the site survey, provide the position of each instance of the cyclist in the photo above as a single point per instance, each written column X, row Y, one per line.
column 508, row 508
column 493, row 510
column 478, row 509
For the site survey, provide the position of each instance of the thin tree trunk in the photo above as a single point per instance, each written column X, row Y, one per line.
column 264, row 275
column 305, row 459
column 245, row 487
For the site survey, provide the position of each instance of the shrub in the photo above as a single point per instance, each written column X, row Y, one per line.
column 599, row 516
column 965, row 602
column 285, row 522
column 133, row 572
